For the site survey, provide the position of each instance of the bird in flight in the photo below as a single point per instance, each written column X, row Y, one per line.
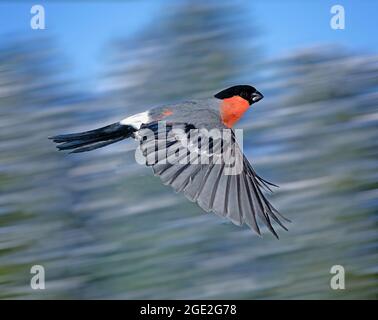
column 193, row 148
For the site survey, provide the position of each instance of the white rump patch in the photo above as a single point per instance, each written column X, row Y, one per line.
column 136, row 120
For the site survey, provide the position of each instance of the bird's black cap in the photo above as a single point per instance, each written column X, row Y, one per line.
column 246, row 92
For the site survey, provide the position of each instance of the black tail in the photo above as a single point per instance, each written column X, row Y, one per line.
column 94, row 139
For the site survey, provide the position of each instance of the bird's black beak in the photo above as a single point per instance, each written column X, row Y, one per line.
column 257, row 96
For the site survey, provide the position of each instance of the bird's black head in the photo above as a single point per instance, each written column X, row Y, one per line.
column 246, row 92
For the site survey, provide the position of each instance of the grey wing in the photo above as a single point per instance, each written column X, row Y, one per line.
column 230, row 189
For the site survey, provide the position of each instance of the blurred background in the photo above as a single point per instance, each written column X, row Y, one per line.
column 104, row 227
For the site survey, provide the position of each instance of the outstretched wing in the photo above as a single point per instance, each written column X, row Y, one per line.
column 209, row 169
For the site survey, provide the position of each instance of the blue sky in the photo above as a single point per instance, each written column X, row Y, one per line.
column 83, row 29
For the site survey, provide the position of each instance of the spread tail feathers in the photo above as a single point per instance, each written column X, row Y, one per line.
column 94, row 139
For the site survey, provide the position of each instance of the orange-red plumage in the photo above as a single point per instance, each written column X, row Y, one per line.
column 232, row 109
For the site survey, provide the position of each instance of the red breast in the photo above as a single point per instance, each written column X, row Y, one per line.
column 232, row 109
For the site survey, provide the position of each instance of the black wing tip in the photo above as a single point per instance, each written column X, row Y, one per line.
column 54, row 138
column 266, row 184
column 271, row 229
column 270, row 183
column 269, row 224
column 60, row 138
column 280, row 215
column 286, row 219
column 257, row 231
